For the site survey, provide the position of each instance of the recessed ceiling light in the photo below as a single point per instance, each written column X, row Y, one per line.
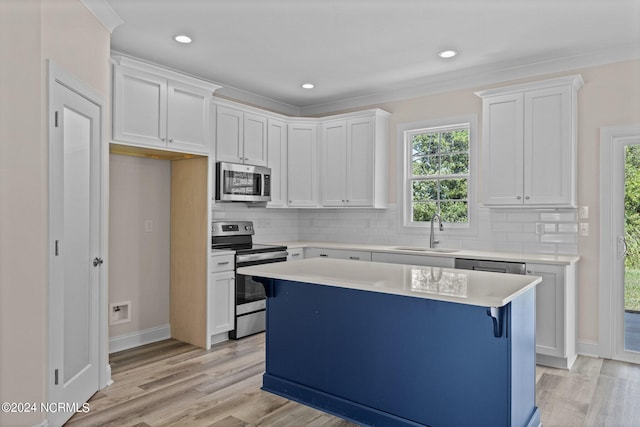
column 182, row 39
column 447, row 54
column 308, row 86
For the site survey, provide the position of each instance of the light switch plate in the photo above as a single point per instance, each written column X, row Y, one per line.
column 583, row 212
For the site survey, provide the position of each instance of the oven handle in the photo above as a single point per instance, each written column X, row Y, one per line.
column 263, row 256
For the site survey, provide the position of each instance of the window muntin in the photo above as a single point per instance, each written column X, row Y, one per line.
column 439, row 173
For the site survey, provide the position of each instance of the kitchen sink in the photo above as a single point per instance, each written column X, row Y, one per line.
column 421, row 249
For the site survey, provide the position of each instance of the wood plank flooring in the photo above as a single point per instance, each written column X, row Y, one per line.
column 171, row 383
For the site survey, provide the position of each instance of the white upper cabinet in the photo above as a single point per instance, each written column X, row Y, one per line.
column 333, row 161
column 529, row 144
column 353, row 161
column 241, row 136
column 277, row 161
column 302, row 160
column 158, row 108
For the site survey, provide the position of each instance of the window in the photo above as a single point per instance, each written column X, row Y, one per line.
column 438, row 179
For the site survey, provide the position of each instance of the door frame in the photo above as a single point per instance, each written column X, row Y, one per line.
column 57, row 75
column 611, row 328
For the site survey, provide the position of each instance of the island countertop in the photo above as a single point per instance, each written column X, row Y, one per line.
column 477, row 288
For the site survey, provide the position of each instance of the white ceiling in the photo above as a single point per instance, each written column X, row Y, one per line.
column 358, row 52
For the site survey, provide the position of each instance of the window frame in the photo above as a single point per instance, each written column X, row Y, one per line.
column 405, row 131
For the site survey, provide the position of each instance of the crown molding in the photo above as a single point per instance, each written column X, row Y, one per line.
column 105, row 13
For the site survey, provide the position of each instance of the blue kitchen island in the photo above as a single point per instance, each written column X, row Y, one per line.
column 399, row 345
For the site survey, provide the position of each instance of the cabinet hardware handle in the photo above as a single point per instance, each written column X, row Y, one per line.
column 295, row 255
column 519, row 197
column 324, row 255
column 223, row 263
column 356, row 258
column 529, row 272
column 527, row 197
column 170, row 139
column 164, row 139
column 97, row 261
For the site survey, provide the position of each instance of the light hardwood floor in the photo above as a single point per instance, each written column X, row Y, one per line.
column 171, row 383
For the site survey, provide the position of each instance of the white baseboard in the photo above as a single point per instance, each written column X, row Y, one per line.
column 138, row 338
column 588, row 348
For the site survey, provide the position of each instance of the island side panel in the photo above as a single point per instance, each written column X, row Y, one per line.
column 522, row 329
column 428, row 362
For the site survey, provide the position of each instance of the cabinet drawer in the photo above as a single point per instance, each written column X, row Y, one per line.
column 219, row 263
column 295, row 254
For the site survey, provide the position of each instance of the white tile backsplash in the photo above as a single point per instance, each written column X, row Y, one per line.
column 524, row 230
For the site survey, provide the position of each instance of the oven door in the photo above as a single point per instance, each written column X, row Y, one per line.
column 251, row 299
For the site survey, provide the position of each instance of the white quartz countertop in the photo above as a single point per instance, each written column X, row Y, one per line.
column 440, row 252
column 461, row 286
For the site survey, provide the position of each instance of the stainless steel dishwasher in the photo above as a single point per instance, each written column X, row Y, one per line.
column 493, row 266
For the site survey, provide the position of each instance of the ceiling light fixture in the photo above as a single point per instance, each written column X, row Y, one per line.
column 447, row 54
column 182, row 39
column 308, row 86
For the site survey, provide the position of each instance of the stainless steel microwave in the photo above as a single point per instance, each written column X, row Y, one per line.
column 242, row 183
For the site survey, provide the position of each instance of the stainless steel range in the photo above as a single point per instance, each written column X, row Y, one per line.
column 250, row 296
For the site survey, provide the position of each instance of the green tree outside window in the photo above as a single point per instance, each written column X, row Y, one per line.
column 439, row 175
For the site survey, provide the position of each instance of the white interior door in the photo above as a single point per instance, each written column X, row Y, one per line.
column 619, row 319
column 75, row 234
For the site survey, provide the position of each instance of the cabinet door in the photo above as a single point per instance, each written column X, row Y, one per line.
column 548, row 167
column 360, row 160
column 302, row 188
column 188, row 127
column 229, row 134
column 333, row 163
column 502, row 149
column 277, row 161
column 550, row 306
column 255, row 140
column 140, row 108
column 221, row 302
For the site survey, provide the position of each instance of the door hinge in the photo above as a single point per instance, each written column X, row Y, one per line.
column 57, row 251
column 55, row 121
column 55, row 377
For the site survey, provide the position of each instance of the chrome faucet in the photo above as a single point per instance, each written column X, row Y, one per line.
column 432, row 241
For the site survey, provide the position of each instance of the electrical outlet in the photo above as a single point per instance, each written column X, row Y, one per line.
column 584, row 228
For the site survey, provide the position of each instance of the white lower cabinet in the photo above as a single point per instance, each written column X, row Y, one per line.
column 221, row 297
column 337, row 254
column 555, row 314
column 431, row 261
column 295, row 254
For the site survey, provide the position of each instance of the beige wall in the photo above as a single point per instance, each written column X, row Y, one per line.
column 139, row 261
column 611, row 96
column 31, row 32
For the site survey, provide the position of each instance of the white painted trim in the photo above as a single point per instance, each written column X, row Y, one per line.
column 477, row 77
column 105, row 13
column 612, row 138
column 402, row 166
column 588, row 348
column 138, row 338
column 165, row 72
